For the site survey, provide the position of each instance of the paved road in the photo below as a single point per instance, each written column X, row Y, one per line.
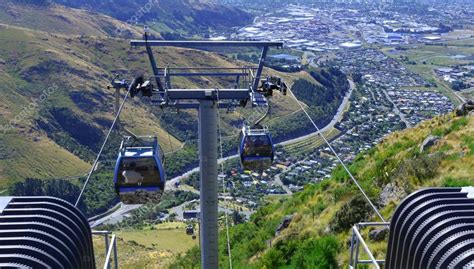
column 116, row 216
column 335, row 119
column 178, row 210
column 396, row 110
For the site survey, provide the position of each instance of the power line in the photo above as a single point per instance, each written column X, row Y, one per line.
column 229, row 252
column 339, row 159
column 103, row 146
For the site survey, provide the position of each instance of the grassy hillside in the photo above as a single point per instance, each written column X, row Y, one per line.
column 168, row 16
column 323, row 213
column 154, row 247
column 49, row 81
column 55, row 18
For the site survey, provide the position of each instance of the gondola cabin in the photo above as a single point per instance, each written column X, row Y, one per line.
column 256, row 149
column 139, row 174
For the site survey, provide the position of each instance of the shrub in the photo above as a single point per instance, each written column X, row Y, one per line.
column 354, row 211
column 317, row 254
column 417, row 170
column 452, row 183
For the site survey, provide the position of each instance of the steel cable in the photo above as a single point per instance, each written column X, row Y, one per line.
column 339, row 159
column 224, row 184
column 103, row 146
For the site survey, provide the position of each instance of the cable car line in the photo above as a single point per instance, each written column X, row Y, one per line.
column 339, row 159
column 171, row 143
column 169, row 139
column 103, row 146
column 229, row 251
column 267, row 112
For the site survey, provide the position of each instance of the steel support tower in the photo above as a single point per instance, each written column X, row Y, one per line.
column 208, row 175
column 207, row 101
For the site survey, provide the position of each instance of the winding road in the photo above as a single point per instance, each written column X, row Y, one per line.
column 115, row 216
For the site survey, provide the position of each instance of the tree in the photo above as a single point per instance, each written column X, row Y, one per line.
column 29, row 187
column 55, row 188
column 458, row 85
column 237, row 218
column 357, row 77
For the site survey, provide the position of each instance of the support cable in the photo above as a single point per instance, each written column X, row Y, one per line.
column 103, row 146
column 339, row 159
column 169, row 139
column 171, row 143
column 226, row 206
column 262, row 118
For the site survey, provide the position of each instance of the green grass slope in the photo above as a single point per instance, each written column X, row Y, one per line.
column 54, row 18
column 42, row 75
column 153, row 247
column 169, row 16
column 324, row 213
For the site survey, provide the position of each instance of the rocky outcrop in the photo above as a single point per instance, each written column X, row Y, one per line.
column 430, row 141
column 465, row 109
column 379, row 234
column 392, row 192
column 284, row 224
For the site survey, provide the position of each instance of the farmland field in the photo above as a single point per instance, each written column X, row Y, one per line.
column 428, row 58
column 310, row 143
column 151, row 247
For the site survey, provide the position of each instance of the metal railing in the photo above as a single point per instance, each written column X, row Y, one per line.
column 357, row 240
column 262, row 130
column 110, row 248
column 244, row 76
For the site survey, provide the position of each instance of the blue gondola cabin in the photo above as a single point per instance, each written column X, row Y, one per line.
column 256, row 148
column 139, row 173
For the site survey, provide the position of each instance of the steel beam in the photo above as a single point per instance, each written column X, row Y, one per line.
column 204, row 43
column 211, row 68
column 154, row 67
column 195, row 105
column 206, row 74
column 211, row 94
column 261, row 63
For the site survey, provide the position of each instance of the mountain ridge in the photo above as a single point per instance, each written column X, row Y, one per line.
column 53, row 18
column 168, row 16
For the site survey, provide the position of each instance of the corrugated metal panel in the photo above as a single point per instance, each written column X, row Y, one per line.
column 433, row 228
column 44, row 232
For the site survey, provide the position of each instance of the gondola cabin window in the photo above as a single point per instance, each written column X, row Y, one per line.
column 139, row 171
column 257, row 146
